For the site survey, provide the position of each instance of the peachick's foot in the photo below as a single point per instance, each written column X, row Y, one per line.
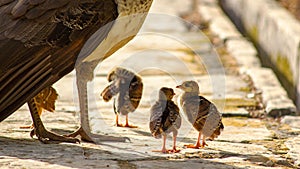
column 128, row 126
column 174, row 150
column 197, row 146
column 165, row 151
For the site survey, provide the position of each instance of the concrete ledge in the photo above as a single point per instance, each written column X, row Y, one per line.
column 219, row 24
column 244, row 52
column 277, row 34
column 275, row 98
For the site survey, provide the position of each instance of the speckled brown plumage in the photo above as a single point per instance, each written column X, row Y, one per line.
column 128, row 89
column 165, row 117
column 41, row 40
column 200, row 112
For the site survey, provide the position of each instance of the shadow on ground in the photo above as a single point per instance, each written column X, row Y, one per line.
column 84, row 155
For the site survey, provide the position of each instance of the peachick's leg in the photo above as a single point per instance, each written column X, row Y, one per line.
column 203, row 142
column 117, row 121
column 117, row 116
column 164, row 150
column 127, row 123
column 44, row 135
column 174, row 143
column 197, row 145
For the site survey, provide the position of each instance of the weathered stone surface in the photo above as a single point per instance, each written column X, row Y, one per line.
column 219, row 23
column 274, row 96
column 188, row 164
column 294, row 146
column 244, row 52
column 292, row 121
column 224, row 29
column 275, row 30
column 280, row 107
column 244, row 143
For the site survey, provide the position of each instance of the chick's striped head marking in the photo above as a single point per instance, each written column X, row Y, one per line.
column 189, row 86
column 166, row 93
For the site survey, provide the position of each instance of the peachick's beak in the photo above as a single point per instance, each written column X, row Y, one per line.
column 179, row 86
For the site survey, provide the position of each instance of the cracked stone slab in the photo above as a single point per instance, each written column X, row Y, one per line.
column 293, row 144
column 234, row 148
column 292, row 121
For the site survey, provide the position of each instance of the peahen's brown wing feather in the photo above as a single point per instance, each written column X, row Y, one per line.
column 40, row 41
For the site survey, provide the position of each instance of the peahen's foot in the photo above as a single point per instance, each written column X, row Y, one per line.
column 96, row 137
column 46, row 136
column 40, row 131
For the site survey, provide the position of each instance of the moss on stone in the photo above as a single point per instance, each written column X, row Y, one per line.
column 284, row 67
column 253, row 33
column 245, row 89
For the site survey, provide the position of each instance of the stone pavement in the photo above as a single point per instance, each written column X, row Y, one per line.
column 165, row 53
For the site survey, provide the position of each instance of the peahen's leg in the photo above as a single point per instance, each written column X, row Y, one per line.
column 85, row 131
column 44, row 135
